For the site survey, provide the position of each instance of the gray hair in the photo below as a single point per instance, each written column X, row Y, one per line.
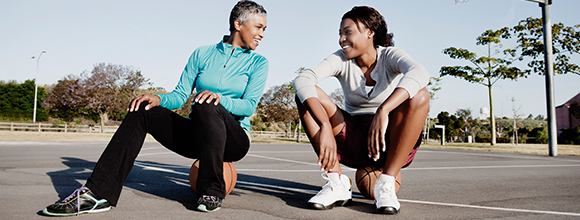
column 243, row 10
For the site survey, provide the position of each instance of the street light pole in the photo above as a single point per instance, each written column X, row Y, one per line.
column 549, row 72
column 36, row 86
column 549, row 66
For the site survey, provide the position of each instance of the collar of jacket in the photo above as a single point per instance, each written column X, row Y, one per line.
column 227, row 49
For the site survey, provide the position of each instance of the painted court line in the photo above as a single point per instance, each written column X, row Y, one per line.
column 295, row 161
column 284, row 152
column 492, row 208
column 493, row 167
column 483, row 153
column 153, row 167
column 280, row 159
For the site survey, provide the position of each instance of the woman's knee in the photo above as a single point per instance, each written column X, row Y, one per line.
column 420, row 100
column 204, row 110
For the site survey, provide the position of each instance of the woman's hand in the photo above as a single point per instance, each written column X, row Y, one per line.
column 376, row 138
column 327, row 158
column 207, row 96
column 153, row 100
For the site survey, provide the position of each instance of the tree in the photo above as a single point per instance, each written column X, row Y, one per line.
column 278, row 104
column 468, row 121
column 337, row 97
column 67, row 99
column 110, row 87
column 17, row 99
column 565, row 41
column 485, row 70
column 433, row 86
column 451, row 123
column 516, row 116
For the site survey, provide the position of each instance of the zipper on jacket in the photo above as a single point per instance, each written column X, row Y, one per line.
column 229, row 57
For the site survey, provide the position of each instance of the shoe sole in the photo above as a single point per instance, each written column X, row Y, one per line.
column 204, row 209
column 319, row 206
column 46, row 212
column 388, row 210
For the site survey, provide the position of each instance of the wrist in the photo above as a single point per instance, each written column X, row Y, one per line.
column 382, row 110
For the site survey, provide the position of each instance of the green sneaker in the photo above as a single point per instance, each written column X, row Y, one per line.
column 209, row 203
column 89, row 203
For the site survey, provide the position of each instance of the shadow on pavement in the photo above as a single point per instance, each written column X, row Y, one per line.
column 151, row 183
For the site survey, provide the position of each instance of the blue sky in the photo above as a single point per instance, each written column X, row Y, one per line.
column 157, row 38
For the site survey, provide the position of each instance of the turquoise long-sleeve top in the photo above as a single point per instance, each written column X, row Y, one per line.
column 237, row 75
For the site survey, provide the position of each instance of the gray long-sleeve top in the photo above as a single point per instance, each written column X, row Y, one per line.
column 394, row 69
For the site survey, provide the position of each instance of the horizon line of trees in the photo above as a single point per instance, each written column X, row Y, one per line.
column 67, row 101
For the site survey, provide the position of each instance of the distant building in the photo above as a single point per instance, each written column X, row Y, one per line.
column 564, row 117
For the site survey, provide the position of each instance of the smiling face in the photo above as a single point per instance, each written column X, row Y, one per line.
column 355, row 40
column 250, row 33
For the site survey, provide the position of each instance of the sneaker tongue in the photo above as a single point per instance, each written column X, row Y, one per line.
column 333, row 177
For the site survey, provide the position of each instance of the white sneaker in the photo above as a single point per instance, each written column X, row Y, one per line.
column 336, row 192
column 385, row 196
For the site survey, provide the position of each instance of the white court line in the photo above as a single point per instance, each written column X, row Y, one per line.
column 152, row 148
column 161, row 167
column 492, row 167
column 295, row 161
column 290, row 151
column 278, row 171
column 280, row 159
column 498, row 155
column 492, row 208
column 406, row 169
column 139, row 164
column 149, row 154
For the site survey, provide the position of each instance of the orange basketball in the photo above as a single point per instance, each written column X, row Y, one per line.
column 367, row 177
column 230, row 176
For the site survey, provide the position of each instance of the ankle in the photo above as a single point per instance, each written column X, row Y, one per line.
column 389, row 175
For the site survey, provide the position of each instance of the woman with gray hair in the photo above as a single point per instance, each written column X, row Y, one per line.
column 229, row 79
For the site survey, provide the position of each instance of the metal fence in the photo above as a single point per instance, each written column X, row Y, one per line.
column 46, row 127
column 271, row 134
column 43, row 127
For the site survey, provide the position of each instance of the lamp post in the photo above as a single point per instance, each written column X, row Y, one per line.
column 36, row 86
column 549, row 68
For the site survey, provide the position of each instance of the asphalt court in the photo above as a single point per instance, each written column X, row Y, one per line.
column 276, row 180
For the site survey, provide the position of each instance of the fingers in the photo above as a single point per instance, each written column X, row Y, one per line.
column 135, row 103
column 208, row 97
column 327, row 160
column 153, row 101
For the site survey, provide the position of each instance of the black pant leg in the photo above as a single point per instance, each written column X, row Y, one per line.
column 118, row 158
column 219, row 138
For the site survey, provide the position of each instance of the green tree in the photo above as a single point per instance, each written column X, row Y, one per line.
column 488, row 69
column 16, row 100
column 468, row 121
column 565, row 42
column 278, row 104
column 451, row 123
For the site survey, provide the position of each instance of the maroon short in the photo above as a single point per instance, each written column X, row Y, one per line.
column 351, row 143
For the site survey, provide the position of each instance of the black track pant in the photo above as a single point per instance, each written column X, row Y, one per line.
column 211, row 134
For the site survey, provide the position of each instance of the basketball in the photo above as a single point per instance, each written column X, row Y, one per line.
column 230, row 176
column 367, row 177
